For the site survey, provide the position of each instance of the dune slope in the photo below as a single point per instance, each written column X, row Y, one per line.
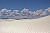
column 41, row 25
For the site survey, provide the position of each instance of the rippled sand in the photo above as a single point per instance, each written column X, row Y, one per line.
column 41, row 25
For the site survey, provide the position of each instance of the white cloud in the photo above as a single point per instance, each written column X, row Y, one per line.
column 25, row 10
column 45, row 12
column 25, row 13
column 49, row 9
column 15, row 11
column 39, row 11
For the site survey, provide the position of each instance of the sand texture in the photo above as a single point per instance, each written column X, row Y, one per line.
column 41, row 25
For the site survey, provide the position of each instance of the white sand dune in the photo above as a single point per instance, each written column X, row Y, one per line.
column 41, row 25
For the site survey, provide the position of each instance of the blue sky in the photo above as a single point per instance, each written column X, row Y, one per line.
column 32, row 5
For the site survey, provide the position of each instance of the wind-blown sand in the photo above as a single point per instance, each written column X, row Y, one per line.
column 41, row 25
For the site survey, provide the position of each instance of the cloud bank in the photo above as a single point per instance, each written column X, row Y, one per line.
column 24, row 14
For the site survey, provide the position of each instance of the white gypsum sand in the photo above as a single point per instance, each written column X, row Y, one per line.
column 41, row 25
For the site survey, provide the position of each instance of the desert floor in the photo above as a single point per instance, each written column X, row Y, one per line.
column 41, row 25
